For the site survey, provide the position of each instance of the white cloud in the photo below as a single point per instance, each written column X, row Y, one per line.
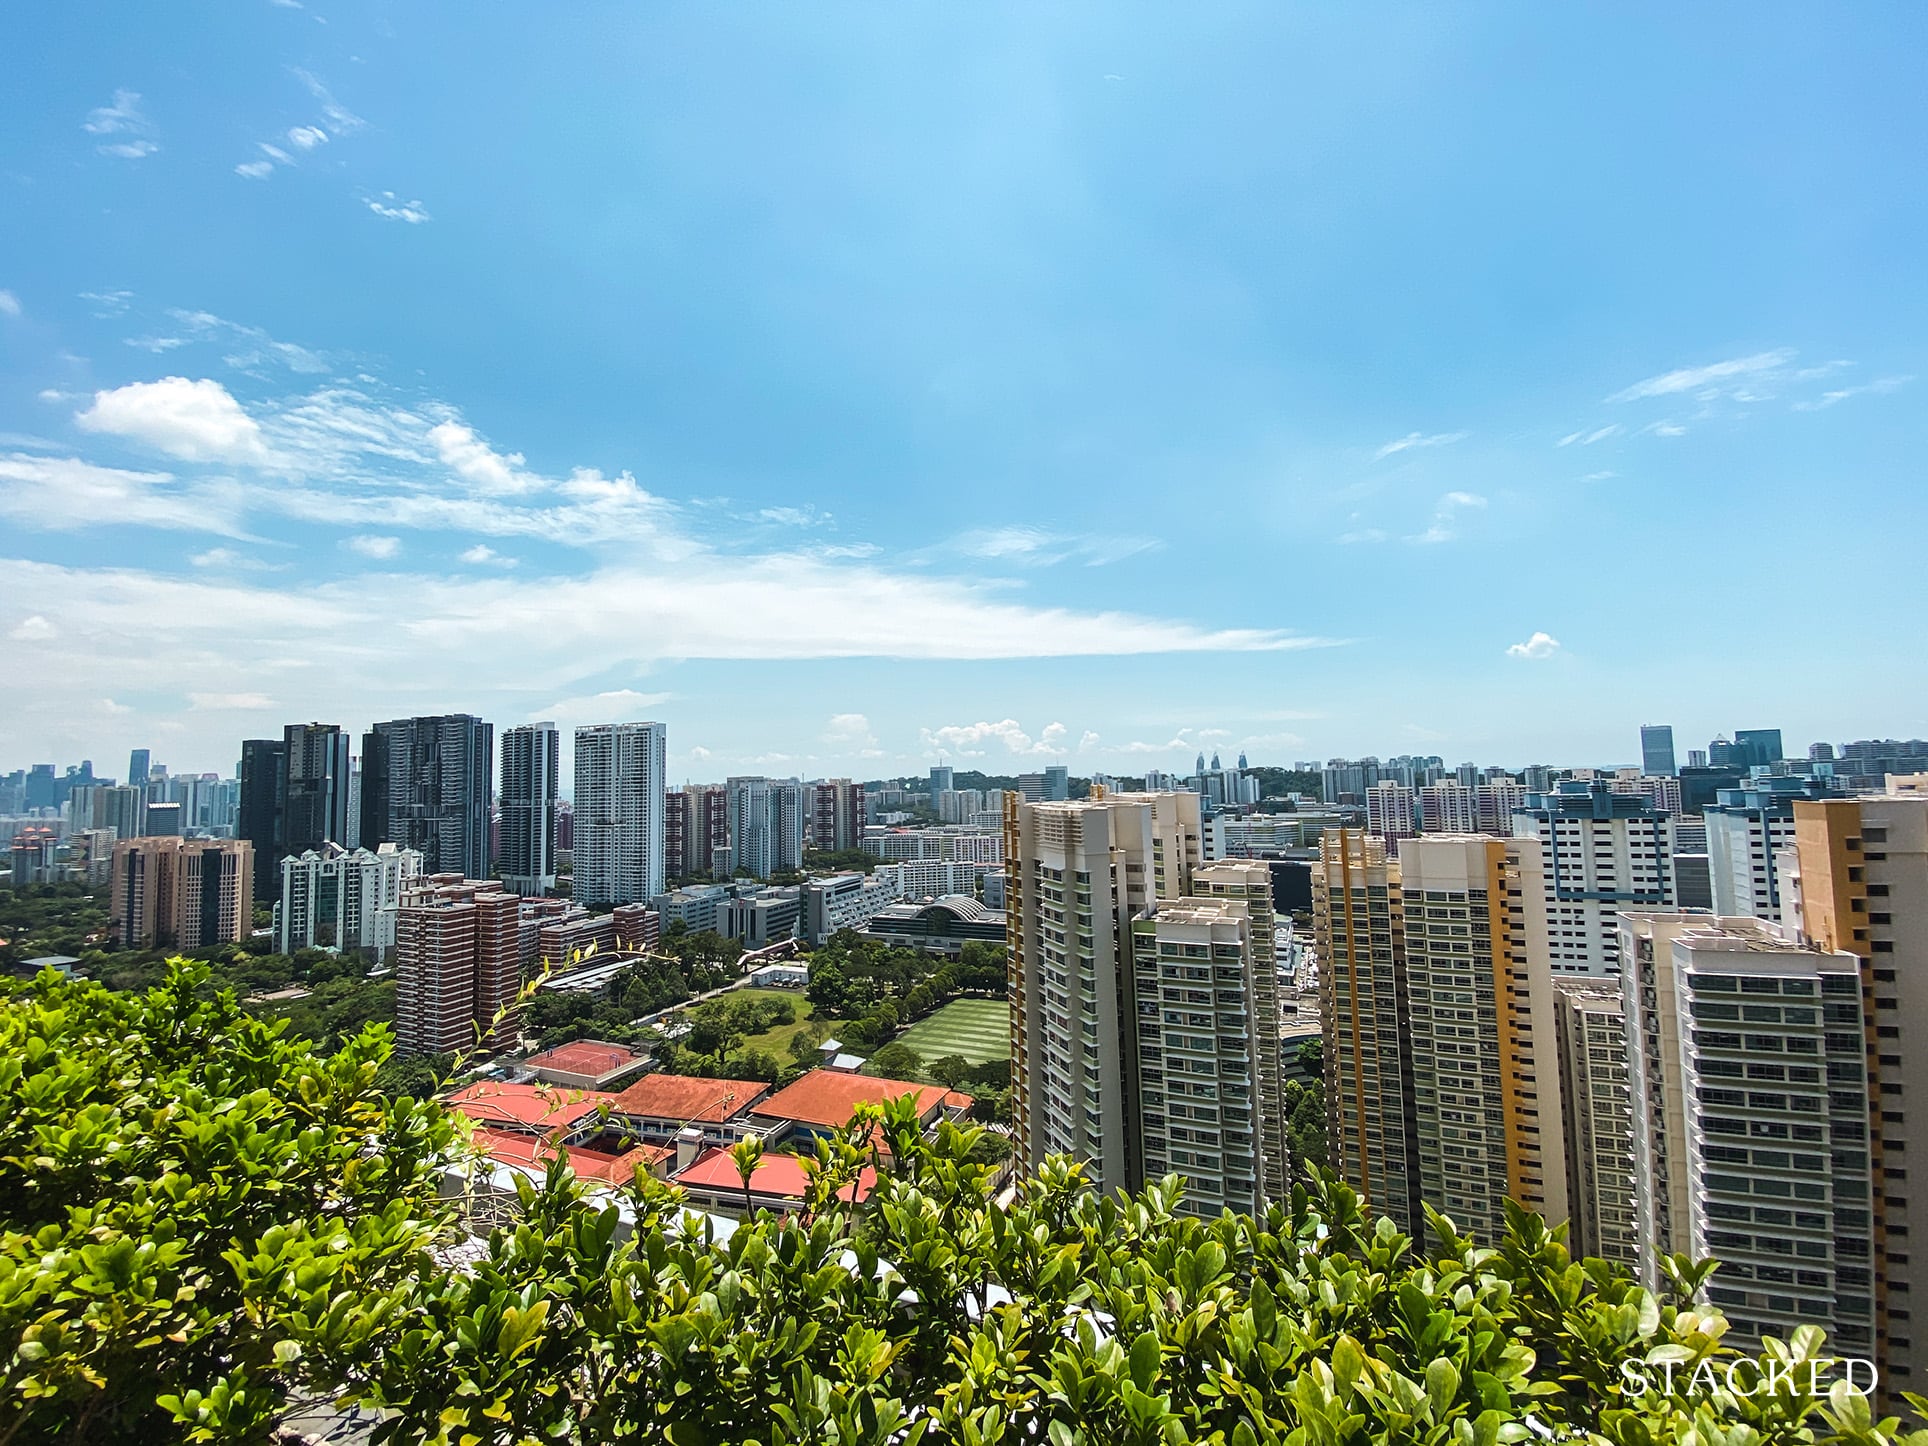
column 229, row 702
column 34, row 629
column 1037, row 547
column 1586, row 437
column 1879, row 387
column 482, row 554
column 63, row 494
column 473, row 460
column 306, row 138
column 849, row 733
column 108, row 303
column 1695, row 379
column 793, row 516
column 9, row 304
column 1535, row 648
column 1446, row 515
column 390, row 207
column 1665, row 429
column 1416, row 439
column 372, row 546
column 255, row 170
column 1363, row 534
column 972, row 740
column 232, row 561
column 156, row 344
column 620, row 705
column 125, row 119
column 1600, row 476
column 197, row 421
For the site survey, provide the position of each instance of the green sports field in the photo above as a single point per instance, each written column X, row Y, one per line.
column 978, row 1029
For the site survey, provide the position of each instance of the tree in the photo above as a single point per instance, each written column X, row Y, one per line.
column 172, row 1167
column 895, row 1061
column 1312, row 1058
column 952, row 1071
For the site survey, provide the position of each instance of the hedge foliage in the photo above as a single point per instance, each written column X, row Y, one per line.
column 205, row 1224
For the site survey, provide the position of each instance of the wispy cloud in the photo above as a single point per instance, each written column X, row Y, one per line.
column 1418, row 439
column 1446, row 515
column 1535, row 649
column 1600, row 476
column 107, row 303
column 133, row 134
column 1362, row 535
column 1695, row 379
column 33, row 629
column 850, row 733
column 1586, row 437
column 9, row 304
column 390, row 207
column 341, row 120
column 1665, row 428
column 67, row 494
column 1039, row 547
column 1879, row 387
column 482, row 555
column 380, row 548
column 975, row 740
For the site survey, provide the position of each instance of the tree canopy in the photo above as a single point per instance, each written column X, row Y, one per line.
column 206, row 1222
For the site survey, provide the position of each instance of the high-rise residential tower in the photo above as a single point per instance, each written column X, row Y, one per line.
column 1590, row 1037
column 1359, row 914
column 1746, row 829
column 531, row 777
column 1080, row 874
column 426, row 784
column 258, row 814
column 181, row 893
column 766, row 825
column 1601, row 852
column 836, row 814
column 618, row 853
column 1750, row 1092
column 1856, row 880
column 1657, row 749
column 458, row 965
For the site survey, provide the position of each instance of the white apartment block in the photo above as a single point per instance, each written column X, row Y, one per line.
column 618, row 851
column 347, row 899
column 1447, row 808
column 931, row 878
column 1761, row 1072
column 766, row 824
column 1389, row 811
column 1601, row 852
column 958, row 845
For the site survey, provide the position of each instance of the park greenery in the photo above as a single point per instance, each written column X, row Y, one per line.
column 208, row 1227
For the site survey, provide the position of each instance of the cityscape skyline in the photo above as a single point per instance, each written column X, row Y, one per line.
column 431, row 415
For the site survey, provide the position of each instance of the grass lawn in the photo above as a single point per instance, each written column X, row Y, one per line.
column 978, row 1029
column 774, row 1041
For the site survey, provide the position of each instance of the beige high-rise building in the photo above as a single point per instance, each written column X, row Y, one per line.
column 1856, row 880
column 1371, row 1128
column 181, row 893
column 1485, row 1096
column 458, row 965
column 1144, row 999
column 1590, row 1035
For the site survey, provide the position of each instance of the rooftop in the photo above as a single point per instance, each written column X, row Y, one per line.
column 776, row 1175
column 686, row 1097
column 529, row 1105
column 534, row 1154
column 585, row 1056
column 828, row 1098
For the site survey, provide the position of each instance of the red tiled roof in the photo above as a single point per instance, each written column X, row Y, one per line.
column 684, row 1097
column 535, row 1154
column 583, row 1057
column 776, row 1175
column 493, row 1102
column 829, row 1098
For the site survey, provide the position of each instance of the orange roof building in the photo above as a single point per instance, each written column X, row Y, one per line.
column 530, row 1109
column 825, row 1100
column 528, row 1153
column 777, row 1183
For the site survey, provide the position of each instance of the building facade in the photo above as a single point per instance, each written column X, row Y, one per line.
column 619, row 843
column 1601, row 852
column 427, row 785
column 531, row 782
column 346, row 899
column 181, row 893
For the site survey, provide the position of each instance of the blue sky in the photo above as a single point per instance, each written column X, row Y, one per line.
column 850, row 385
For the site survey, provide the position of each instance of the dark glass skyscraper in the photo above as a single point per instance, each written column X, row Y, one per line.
column 314, row 788
column 258, row 814
column 1657, row 749
column 427, row 784
column 530, row 777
